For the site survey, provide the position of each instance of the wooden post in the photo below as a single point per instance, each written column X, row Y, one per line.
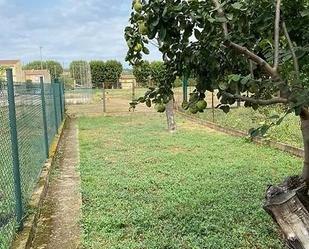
column 133, row 91
column 103, row 97
column 213, row 106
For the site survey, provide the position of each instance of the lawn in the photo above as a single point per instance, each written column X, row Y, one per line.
column 246, row 118
column 145, row 188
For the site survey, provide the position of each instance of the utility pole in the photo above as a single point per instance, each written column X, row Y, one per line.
column 41, row 57
column 55, row 71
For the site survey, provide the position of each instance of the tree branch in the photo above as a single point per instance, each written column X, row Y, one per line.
column 257, row 101
column 243, row 50
column 295, row 60
column 221, row 14
column 252, row 56
column 277, row 33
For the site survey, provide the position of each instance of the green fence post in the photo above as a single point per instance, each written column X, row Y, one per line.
column 55, row 105
column 44, row 116
column 60, row 99
column 63, row 98
column 14, row 144
column 185, row 89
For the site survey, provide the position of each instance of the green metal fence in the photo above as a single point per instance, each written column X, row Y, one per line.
column 30, row 116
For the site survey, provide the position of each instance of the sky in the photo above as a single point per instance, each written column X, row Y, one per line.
column 65, row 29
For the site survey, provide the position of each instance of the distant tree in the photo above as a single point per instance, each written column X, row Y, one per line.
column 158, row 72
column 67, row 80
column 2, row 73
column 79, row 71
column 55, row 69
column 142, row 73
column 113, row 70
column 97, row 72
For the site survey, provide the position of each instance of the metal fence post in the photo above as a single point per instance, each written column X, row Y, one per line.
column 44, row 116
column 55, row 105
column 60, row 99
column 14, row 144
column 63, row 98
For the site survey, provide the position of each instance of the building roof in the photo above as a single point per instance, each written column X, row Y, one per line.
column 36, row 72
column 127, row 76
column 9, row 62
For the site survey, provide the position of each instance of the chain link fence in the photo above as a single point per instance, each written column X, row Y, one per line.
column 30, row 116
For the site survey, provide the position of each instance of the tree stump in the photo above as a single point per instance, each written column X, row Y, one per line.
column 288, row 204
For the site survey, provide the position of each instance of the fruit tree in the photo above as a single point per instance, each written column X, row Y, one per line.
column 251, row 51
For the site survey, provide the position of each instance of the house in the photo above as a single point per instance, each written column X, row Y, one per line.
column 127, row 81
column 35, row 75
column 16, row 65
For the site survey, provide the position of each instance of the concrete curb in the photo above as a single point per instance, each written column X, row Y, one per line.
column 24, row 238
column 273, row 144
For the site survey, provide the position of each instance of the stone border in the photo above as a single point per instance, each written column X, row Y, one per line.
column 273, row 144
column 24, row 238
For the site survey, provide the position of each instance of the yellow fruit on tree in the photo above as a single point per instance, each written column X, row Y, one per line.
column 138, row 47
column 193, row 109
column 160, row 107
column 201, row 105
column 138, row 6
column 143, row 28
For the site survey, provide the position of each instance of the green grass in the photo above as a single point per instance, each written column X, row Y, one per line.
column 246, row 118
column 116, row 94
column 145, row 188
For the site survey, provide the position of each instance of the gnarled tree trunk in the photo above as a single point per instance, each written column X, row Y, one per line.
column 305, row 132
column 170, row 116
column 288, row 203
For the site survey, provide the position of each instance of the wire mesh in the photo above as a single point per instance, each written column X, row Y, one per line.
column 31, row 146
column 50, row 112
column 57, row 99
column 79, row 96
column 30, row 129
column 7, row 197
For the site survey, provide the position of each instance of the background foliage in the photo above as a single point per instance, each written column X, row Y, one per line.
column 55, row 69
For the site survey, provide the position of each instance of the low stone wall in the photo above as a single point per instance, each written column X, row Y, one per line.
column 274, row 144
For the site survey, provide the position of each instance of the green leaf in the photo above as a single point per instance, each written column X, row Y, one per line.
column 234, row 77
column 223, row 85
column 221, row 19
column 148, row 103
column 245, row 80
column 162, row 33
column 211, row 20
column 146, row 50
column 304, row 13
column 237, row 5
column 197, row 34
column 225, row 108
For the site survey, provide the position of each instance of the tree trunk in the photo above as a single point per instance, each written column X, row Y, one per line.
column 288, row 203
column 170, row 116
column 305, row 132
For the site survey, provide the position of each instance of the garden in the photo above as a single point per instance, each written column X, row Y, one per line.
column 145, row 156
column 194, row 189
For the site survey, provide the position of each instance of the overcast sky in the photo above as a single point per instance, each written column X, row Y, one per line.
column 66, row 29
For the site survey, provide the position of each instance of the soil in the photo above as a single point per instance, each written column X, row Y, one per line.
column 58, row 226
column 114, row 105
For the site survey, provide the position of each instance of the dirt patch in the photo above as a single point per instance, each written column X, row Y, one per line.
column 177, row 149
column 190, row 125
column 58, row 226
column 114, row 105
